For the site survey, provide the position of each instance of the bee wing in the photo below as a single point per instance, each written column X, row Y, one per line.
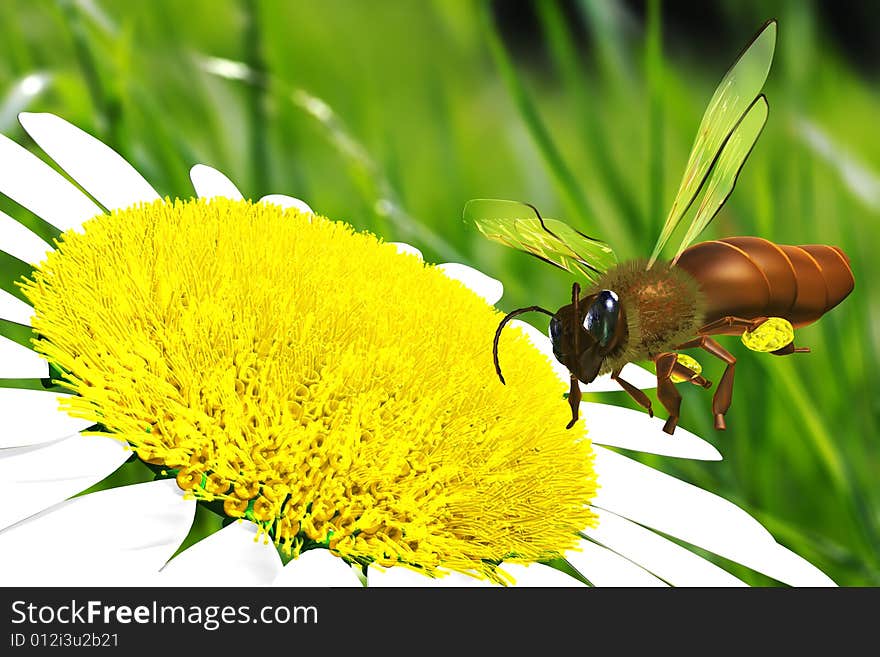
column 730, row 162
column 734, row 97
column 520, row 226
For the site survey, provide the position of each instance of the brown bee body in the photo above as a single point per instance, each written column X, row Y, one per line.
column 717, row 287
column 751, row 278
column 662, row 306
column 650, row 310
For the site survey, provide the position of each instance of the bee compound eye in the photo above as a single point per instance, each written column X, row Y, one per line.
column 601, row 318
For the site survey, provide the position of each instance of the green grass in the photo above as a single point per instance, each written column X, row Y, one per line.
column 431, row 106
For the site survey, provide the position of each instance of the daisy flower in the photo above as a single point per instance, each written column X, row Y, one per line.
column 329, row 395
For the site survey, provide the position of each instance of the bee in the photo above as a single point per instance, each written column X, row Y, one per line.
column 650, row 309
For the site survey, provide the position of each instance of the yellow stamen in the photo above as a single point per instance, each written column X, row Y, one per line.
column 316, row 381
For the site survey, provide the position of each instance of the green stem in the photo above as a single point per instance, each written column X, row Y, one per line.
column 257, row 112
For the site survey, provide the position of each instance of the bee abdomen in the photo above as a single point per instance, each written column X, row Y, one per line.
column 812, row 295
column 732, row 282
column 778, row 269
column 752, row 277
column 836, row 275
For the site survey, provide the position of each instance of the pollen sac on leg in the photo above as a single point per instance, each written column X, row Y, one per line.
column 691, row 363
column 773, row 334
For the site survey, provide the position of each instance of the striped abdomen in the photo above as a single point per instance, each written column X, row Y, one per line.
column 752, row 277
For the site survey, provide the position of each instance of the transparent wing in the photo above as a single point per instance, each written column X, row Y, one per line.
column 520, row 226
column 730, row 162
column 732, row 99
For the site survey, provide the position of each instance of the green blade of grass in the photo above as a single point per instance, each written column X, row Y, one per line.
column 605, row 22
column 21, row 95
column 827, row 550
column 833, row 460
column 376, row 186
column 558, row 35
column 654, row 77
column 568, row 183
column 107, row 107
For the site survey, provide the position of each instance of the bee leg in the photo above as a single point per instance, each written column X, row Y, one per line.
column 574, row 400
column 690, row 376
column 724, row 392
column 790, row 349
column 667, row 393
column 739, row 322
column 640, row 397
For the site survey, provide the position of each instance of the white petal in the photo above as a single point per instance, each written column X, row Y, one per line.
column 31, row 417
column 631, row 373
column 14, row 309
column 539, row 575
column 287, row 202
column 97, row 168
column 797, row 571
column 34, row 478
column 403, row 247
column 484, row 286
column 654, row 499
column 209, row 182
column 317, row 568
column 623, row 427
column 20, row 242
column 229, row 557
column 605, row 568
column 30, row 182
column 117, row 537
column 17, row 361
column 408, row 578
column 675, row 564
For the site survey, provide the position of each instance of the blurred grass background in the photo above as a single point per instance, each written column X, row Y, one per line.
column 391, row 114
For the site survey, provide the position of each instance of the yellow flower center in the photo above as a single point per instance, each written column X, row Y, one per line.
column 294, row 372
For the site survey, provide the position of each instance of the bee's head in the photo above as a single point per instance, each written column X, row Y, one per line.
column 585, row 331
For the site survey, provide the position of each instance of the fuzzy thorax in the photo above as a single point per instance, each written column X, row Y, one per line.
column 663, row 307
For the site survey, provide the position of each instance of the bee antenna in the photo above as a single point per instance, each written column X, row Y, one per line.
column 575, row 293
column 507, row 318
